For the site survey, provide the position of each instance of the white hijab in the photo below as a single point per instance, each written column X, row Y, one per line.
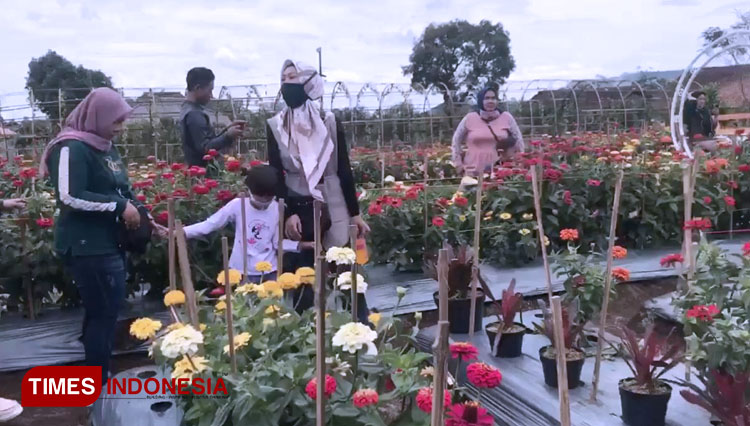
column 302, row 131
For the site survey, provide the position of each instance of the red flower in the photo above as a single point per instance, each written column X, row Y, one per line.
column 211, row 184
column 233, row 165
column 17, row 183
column 738, row 150
column 739, row 132
column 397, row 202
column 438, row 221
column 552, row 174
column 162, row 218
column 375, row 209
column 18, row 159
column 569, row 234
column 151, row 158
column 619, row 252
column 7, row 175
column 669, row 261
column 196, row 171
column 730, row 201
column 482, row 375
column 168, row 176
column 461, row 201
column 207, row 157
column 389, row 385
column 424, row 399
column 312, row 387
column 161, row 164
column 621, row 274
column 143, row 184
column 567, row 198
column 443, row 202
column 152, row 176
column 28, row 173
column 707, row 200
column 465, row 350
column 256, row 163
column 201, row 189
column 700, row 224
column 177, row 167
column 593, row 182
column 213, row 152
column 665, row 139
column 733, row 184
column 180, row 193
column 744, row 168
column 746, row 250
column 411, row 194
column 141, row 198
column 365, row 397
column 224, row 195
column 703, row 312
column 149, row 207
column 468, row 414
column 45, row 222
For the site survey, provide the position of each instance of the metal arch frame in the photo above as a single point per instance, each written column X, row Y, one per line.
column 663, row 90
column 596, row 92
column 340, row 87
column 640, row 88
column 554, row 99
column 681, row 90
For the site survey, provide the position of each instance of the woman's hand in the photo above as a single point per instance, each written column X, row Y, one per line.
column 161, row 231
column 362, row 228
column 293, row 228
column 14, row 204
column 131, row 216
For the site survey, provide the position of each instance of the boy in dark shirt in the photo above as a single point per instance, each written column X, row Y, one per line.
column 198, row 137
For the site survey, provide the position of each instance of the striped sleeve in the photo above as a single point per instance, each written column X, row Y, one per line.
column 72, row 176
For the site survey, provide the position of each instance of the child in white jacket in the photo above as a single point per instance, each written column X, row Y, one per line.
column 261, row 220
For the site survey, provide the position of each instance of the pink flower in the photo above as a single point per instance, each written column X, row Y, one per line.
column 593, row 182
column 45, row 222
column 670, row 260
column 567, row 198
column 468, row 414
column 375, row 209
column 438, row 221
column 746, row 250
column 365, row 397
column 312, row 387
column 213, row 152
column 424, row 399
column 707, row 200
column 141, row 198
column 233, row 165
column 730, row 201
column 703, row 312
column 210, row 183
column 482, row 375
column 465, row 350
column 201, row 189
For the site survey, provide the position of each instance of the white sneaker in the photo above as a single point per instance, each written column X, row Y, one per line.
column 9, row 410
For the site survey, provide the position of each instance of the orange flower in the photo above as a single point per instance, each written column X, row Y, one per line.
column 621, row 274
column 619, row 252
column 569, row 234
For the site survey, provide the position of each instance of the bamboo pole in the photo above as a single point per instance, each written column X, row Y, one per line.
column 353, row 231
column 607, row 283
column 171, row 245
column 228, row 302
column 538, row 210
column 187, row 280
column 26, row 279
column 320, row 321
column 280, row 243
column 688, row 191
column 243, row 220
column 562, row 370
column 475, row 269
column 440, row 347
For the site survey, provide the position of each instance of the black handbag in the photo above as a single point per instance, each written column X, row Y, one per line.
column 136, row 240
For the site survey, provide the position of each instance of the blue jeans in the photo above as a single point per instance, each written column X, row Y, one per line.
column 101, row 284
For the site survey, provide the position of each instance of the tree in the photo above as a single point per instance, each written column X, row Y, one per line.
column 51, row 72
column 461, row 55
column 738, row 55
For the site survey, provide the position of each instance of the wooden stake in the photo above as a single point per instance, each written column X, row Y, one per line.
column 320, row 321
column 538, row 209
column 28, row 283
column 187, row 281
column 562, row 370
column 228, row 301
column 607, row 283
column 688, row 190
column 475, row 269
column 171, row 245
column 440, row 347
column 243, row 220
column 280, row 243
column 353, row 231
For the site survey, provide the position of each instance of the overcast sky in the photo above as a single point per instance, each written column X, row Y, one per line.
column 152, row 43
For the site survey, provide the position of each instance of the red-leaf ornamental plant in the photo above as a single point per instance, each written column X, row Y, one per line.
column 511, row 304
column 726, row 397
column 571, row 329
column 650, row 360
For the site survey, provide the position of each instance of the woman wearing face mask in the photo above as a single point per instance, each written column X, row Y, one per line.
column 490, row 134
column 95, row 199
column 310, row 155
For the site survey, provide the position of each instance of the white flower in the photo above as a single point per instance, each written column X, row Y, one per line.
column 353, row 336
column 345, row 282
column 401, row 291
column 362, row 195
column 389, row 179
column 418, row 316
column 468, row 181
column 184, row 340
column 341, row 255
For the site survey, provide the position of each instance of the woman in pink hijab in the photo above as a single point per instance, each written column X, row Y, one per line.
column 95, row 200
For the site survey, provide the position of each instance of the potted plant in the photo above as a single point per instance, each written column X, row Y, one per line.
column 574, row 357
column 506, row 336
column 644, row 397
column 459, row 289
column 724, row 396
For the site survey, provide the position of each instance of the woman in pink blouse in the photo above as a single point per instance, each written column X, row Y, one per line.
column 490, row 134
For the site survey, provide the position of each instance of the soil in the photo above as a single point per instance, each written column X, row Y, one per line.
column 571, row 354
column 515, row 328
column 630, row 384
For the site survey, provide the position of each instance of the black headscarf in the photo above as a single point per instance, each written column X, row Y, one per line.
column 480, row 98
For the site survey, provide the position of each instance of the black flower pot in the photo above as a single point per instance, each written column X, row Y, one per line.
column 510, row 344
column 574, row 367
column 640, row 409
column 459, row 311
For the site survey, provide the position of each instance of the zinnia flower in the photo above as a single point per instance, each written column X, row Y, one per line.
column 201, row 189
column 272, row 310
column 593, row 182
column 174, row 297
column 184, row 340
column 144, row 328
column 45, row 222
column 353, row 336
column 465, row 350
column 341, row 255
column 461, row 201
column 746, row 250
column 524, row 231
column 375, row 209
column 527, row 216
column 233, row 165
column 183, row 369
column 703, row 312
column 365, row 397
column 569, row 234
column 235, row 277
column 468, row 414
column 707, row 200
column 263, row 266
column 730, row 201
column 288, row 281
column 306, row 275
column 344, row 282
column 427, row 372
column 567, row 198
column 482, row 375
column 374, row 318
column 312, row 387
column 621, row 274
column 220, row 306
column 698, row 223
column 269, row 289
column 505, row 216
column 240, row 341
column 424, row 399
column 669, row 261
column 619, row 252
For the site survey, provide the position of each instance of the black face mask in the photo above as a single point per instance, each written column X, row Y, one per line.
column 294, row 94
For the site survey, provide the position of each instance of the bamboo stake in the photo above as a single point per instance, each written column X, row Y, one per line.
column 171, row 245
column 243, row 221
column 228, row 302
column 562, row 370
column 440, row 347
column 187, row 280
column 688, row 189
column 475, row 269
column 538, row 209
column 607, row 283
column 280, row 243
column 25, row 260
column 320, row 321
column 353, row 231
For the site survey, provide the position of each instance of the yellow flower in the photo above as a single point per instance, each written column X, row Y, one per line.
column 374, row 318
column 268, row 322
column 144, row 328
column 527, row 216
column 245, row 289
column 270, row 289
column 263, row 267
column 306, row 275
column 427, row 372
column 220, row 305
column 174, row 297
column 202, row 327
column 235, row 277
column 524, row 231
column 240, row 341
column 289, row 281
column 183, row 369
column 462, row 218
column 505, row 216
column 273, row 309
column 175, row 326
